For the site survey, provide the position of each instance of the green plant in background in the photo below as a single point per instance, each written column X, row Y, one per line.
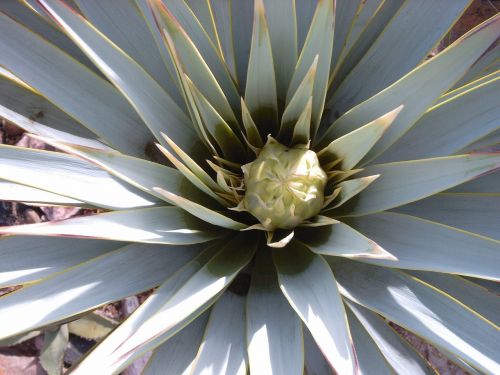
column 316, row 181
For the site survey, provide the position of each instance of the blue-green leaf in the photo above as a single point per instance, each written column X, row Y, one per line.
column 311, row 289
column 425, row 245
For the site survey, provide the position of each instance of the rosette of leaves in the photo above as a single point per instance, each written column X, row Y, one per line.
column 407, row 230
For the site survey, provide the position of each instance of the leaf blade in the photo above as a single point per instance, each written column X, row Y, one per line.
column 305, row 282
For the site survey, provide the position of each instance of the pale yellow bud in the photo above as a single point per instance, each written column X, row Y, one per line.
column 284, row 186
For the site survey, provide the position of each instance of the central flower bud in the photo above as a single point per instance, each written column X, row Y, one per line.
column 284, row 186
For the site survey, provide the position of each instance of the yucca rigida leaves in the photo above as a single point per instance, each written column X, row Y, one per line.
column 302, row 129
column 396, row 350
column 196, row 288
column 309, row 285
column 260, row 90
column 479, row 299
column 152, row 103
column 341, row 240
column 414, row 305
column 139, row 173
column 126, row 271
column 460, row 120
column 70, row 176
column 10, row 191
column 18, row 100
column 251, row 130
column 486, row 185
column 202, row 212
column 115, row 19
column 23, row 13
column 418, row 89
column 487, row 64
column 314, row 361
column 223, row 347
column 205, row 46
column 31, row 126
column 489, row 142
column 319, row 41
column 30, row 258
column 349, row 189
column 183, row 347
column 391, row 57
column 297, row 103
column 476, row 213
column 352, row 147
column 163, row 225
column 370, row 358
column 345, row 14
column 67, row 84
column 274, row 331
column 227, row 140
column 283, row 35
column 137, row 323
column 205, row 71
column 404, row 182
column 425, row 245
column 371, row 20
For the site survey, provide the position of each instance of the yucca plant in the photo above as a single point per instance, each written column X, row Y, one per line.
column 315, row 184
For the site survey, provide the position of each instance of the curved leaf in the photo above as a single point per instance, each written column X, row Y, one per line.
column 197, row 55
column 19, row 101
column 140, row 173
column 126, row 271
column 23, row 12
column 319, row 41
column 402, row 358
column 152, row 103
column 225, row 137
column 423, row 310
column 222, row 349
column 476, row 298
column 296, row 104
column 115, row 19
column 282, row 25
column 371, row 21
column 10, row 191
column 202, row 212
column 163, row 225
column 405, row 182
column 351, row 188
column 352, row 147
column 70, row 176
column 345, row 15
column 191, row 298
column 176, row 356
column 274, row 331
column 390, row 57
column 28, row 258
column 425, row 245
column 485, row 184
column 449, row 126
column 341, row 240
column 138, row 322
column 72, row 87
column 418, row 89
column 311, row 289
column 475, row 213
column 260, row 89
column 370, row 355
column 34, row 127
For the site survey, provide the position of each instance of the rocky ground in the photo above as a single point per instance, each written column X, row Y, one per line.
column 22, row 359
